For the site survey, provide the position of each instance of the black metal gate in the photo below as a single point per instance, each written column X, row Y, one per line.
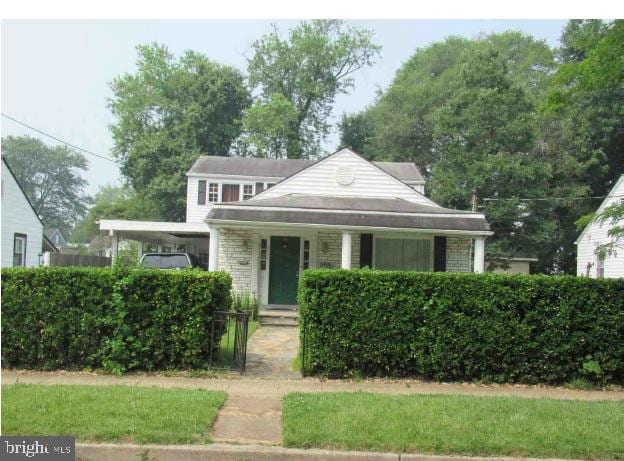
column 229, row 340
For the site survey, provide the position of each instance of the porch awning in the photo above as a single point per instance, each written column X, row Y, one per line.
column 348, row 212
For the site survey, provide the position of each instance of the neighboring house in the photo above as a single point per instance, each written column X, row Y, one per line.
column 264, row 221
column 55, row 236
column 22, row 230
column 588, row 263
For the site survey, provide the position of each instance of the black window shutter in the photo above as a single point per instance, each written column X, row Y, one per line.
column 201, row 193
column 439, row 254
column 366, row 250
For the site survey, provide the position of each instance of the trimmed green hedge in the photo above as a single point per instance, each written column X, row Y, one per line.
column 444, row 326
column 119, row 320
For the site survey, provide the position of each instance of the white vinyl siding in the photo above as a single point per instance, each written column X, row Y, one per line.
column 596, row 234
column 18, row 218
column 369, row 181
column 403, row 254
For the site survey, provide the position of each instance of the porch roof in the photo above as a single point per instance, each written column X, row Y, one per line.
column 348, row 212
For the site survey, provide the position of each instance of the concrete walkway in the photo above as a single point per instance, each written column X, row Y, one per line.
column 271, row 351
column 249, row 417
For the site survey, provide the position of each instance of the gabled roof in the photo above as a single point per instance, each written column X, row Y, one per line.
column 21, row 189
column 50, row 231
column 282, row 168
column 603, row 205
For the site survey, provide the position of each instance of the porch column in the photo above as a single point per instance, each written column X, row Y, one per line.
column 346, row 250
column 479, row 254
column 213, row 250
column 140, row 252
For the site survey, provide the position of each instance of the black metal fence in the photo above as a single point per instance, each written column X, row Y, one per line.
column 229, row 333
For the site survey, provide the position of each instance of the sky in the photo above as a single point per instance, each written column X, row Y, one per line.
column 56, row 74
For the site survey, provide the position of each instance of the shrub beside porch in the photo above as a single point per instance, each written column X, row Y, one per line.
column 442, row 326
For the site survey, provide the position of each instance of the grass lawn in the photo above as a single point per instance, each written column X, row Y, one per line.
column 110, row 413
column 455, row 425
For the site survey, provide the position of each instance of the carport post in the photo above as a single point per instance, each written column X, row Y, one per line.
column 114, row 246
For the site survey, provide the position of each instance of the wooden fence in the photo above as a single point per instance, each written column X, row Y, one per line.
column 60, row 259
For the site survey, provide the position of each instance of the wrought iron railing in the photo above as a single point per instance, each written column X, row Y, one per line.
column 229, row 334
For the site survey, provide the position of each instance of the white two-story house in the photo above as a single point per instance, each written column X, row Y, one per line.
column 265, row 221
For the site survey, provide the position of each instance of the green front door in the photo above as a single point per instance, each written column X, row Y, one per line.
column 284, row 270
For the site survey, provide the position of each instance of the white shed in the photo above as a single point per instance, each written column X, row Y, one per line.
column 22, row 230
column 587, row 262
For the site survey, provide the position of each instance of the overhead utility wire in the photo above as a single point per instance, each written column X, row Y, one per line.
column 73, row 146
column 545, row 199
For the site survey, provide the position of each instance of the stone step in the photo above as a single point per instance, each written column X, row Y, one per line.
column 278, row 317
column 277, row 322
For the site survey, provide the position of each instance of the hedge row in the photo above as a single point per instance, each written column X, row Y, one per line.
column 119, row 320
column 443, row 326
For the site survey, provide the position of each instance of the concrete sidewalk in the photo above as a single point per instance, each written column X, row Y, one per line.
column 262, row 388
column 224, row 452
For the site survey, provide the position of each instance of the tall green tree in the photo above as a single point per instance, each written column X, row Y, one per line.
column 51, row 178
column 169, row 112
column 401, row 123
column 301, row 75
column 112, row 202
column 484, row 140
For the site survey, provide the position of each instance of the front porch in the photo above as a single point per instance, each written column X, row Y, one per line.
column 267, row 261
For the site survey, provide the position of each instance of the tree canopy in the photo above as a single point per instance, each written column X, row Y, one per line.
column 531, row 129
column 298, row 79
column 51, row 179
column 168, row 113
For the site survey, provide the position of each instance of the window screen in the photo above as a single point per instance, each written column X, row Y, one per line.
column 403, row 254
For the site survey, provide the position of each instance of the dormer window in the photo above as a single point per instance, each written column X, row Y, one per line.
column 230, row 193
column 247, row 191
column 213, row 192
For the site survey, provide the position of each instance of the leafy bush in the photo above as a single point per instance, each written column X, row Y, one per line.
column 443, row 326
column 121, row 320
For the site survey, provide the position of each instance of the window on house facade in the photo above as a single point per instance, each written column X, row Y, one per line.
column 259, row 187
column 263, row 254
column 269, row 185
column 247, row 191
column 213, row 192
column 306, row 254
column 600, row 267
column 403, row 254
column 19, row 250
column 201, row 192
column 230, row 192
